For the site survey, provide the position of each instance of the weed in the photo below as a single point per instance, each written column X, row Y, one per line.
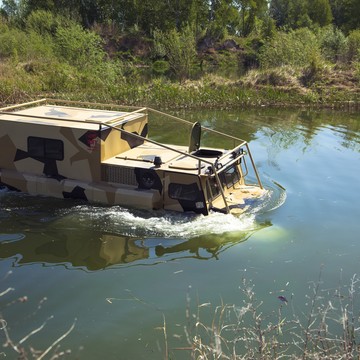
column 329, row 329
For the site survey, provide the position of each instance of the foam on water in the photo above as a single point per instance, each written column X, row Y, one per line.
column 160, row 224
column 142, row 223
column 139, row 223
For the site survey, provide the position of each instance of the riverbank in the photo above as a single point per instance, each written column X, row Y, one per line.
column 287, row 87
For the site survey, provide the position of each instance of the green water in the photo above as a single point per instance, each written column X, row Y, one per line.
column 117, row 273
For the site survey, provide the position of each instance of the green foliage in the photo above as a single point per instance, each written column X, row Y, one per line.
column 16, row 82
column 250, row 56
column 346, row 14
column 268, row 28
column 333, row 43
column 300, row 13
column 320, row 12
column 240, row 17
column 353, row 50
column 160, row 67
column 45, row 22
column 225, row 20
column 296, row 48
column 47, row 47
column 251, row 11
column 24, row 46
column 79, row 47
column 180, row 50
column 313, row 71
column 59, row 77
column 3, row 25
column 13, row 10
column 357, row 70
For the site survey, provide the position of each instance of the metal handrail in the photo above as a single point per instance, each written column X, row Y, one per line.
column 23, row 105
column 136, row 136
column 202, row 127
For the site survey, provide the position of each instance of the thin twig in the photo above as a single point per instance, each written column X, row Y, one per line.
column 8, row 340
column 165, row 338
column 34, row 331
column 57, row 341
column 6, row 291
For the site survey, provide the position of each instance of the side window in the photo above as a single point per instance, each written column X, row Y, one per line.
column 183, row 192
column 45, row 148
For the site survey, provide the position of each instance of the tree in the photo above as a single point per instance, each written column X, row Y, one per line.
column 346, row 14
column 251, row 10
column 294, row 14
column 320, row 12
column 290, row 14
column 298, row 14
column 279, row 11
column 14, row 10
column 224, row 18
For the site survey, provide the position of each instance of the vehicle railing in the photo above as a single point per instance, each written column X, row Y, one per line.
column 242, row 142
column 17, row 106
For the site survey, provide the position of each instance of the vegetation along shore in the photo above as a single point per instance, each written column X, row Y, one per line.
column 182, row 54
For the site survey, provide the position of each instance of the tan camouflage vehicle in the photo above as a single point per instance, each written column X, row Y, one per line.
column 103, row 154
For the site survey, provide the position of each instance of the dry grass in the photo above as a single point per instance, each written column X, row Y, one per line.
column 329, row 329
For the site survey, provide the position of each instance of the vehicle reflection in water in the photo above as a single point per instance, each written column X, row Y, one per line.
column 100, row 251
column 50, row 232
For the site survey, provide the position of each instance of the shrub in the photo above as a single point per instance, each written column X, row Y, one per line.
column 24, row 46
column 79, row 47
column 42, row 22
column 353, row 50
column 160, row 67
column 179, row 49
column 296, row 48
column 357, row 70
column 332, row 43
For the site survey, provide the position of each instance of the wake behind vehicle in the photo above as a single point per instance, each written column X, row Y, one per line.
column 103, row 154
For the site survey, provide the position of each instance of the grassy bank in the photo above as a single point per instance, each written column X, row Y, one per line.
column 276, row 87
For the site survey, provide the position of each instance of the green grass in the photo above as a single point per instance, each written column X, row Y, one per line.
column 107, row 83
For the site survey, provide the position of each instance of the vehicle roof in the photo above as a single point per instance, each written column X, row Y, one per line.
column 66, row 116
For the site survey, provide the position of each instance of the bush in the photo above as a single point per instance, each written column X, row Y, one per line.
column 160, row 67
column 357, row 70
column 353, row 50
column 180, row 50
column 333, row 43
column 24, row 46
column 296, row 48
column 41, row 22
column 79, row 47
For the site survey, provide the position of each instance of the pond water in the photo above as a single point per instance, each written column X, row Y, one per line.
column 119, row 275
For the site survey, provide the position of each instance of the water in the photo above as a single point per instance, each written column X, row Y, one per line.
column 118, row 273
